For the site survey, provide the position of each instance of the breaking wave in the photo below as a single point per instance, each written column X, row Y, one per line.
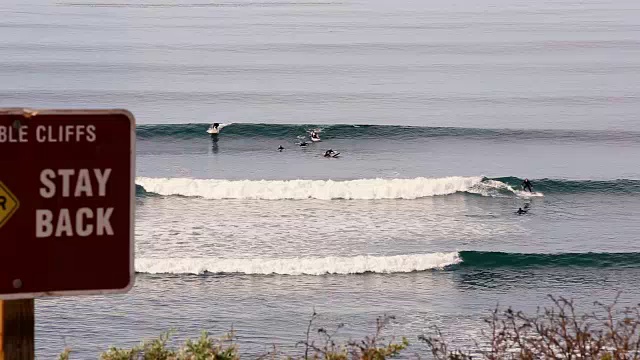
column 363, row 189
column 384, row 264
column 299, row 266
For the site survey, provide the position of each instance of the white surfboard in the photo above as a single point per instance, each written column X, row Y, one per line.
column 211, row 130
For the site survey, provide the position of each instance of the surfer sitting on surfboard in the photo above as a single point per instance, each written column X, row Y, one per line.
column 214, row 129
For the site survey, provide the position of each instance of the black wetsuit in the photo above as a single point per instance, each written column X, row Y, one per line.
column 280, row 148
column 520, row 211
column 527, row 185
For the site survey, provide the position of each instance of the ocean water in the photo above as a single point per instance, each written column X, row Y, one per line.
column 418, row 223
column 439, row 110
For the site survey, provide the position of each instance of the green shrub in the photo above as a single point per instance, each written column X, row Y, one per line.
column 205, row 348
column 554, row 332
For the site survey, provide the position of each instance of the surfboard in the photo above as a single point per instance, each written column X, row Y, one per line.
column 214, row 131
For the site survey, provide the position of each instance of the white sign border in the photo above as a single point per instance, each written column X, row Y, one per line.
column 30, row 113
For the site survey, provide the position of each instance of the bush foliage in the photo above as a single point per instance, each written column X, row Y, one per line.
column 554, row 332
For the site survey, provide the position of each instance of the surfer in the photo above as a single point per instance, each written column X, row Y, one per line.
column 522, row 211
column 331, row 153
column 213, row 129
column 303, row 143
column 314, row 136
column 280, row 148
column 526, row 184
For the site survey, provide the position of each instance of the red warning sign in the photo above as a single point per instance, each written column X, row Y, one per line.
column 67, row 198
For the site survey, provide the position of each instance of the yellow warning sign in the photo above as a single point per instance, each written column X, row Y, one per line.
column 8, row 204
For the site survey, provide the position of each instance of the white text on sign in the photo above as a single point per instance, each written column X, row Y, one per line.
column 49, row 134
column 74, row 183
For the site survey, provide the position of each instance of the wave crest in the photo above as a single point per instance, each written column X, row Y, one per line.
column 472, row 260
column 495, row 259
column 299, row 266
column 344, row 131
column 626, row 186
column 363, row 189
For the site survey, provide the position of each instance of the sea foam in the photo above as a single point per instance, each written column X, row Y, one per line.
column 299, row 266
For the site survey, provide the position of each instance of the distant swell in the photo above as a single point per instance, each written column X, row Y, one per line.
column 384, row 264
column 481, row 259
column 577, row 186
column 363, row 189
column 234, row 130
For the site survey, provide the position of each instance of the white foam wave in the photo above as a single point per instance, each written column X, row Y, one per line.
column 496, row 188
column 363, row 189
column 299, row 266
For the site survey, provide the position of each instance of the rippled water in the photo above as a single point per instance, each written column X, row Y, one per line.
column 475, row 78
column 515, row 64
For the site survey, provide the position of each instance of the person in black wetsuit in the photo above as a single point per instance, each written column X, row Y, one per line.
column 521, row 212
column 303, row 143
column 526, row 184
column 280, row 148
column 329, row 153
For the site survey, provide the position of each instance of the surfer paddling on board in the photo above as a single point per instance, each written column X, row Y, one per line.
column 526, row 184
column 331, row 153
column 522, row 211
